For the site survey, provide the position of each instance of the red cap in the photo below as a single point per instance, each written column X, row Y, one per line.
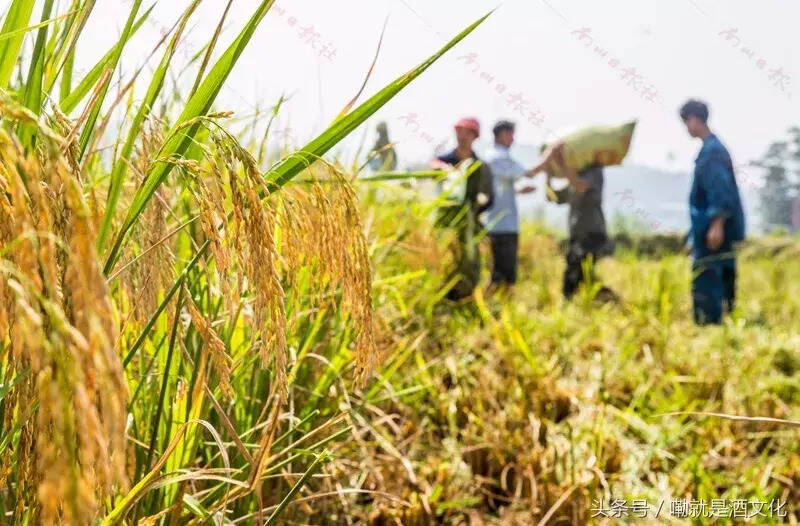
column 470, row 123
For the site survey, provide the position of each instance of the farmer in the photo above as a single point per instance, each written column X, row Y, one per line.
column 717, row 220
column 501, row 218
column 383, row 156
column 477, row 197
column 588, row 239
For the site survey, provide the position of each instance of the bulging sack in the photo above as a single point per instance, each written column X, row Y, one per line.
column 603, row 145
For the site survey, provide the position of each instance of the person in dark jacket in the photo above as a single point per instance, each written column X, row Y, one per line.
column 477, row 197
column 383, row 156
column 717, row 220
column 588, row 238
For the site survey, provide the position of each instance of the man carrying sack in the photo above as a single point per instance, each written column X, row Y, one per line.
column 588, row 239
column 580, row 157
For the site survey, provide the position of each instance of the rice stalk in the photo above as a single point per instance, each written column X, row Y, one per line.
column 265, row 279
column 62, row 327
column 216, row 347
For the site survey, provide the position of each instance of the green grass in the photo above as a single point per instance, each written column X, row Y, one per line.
column 524, row 386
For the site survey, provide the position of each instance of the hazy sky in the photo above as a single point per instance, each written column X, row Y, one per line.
column 545, row 64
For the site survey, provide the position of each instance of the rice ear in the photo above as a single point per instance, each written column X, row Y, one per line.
column 63, row 329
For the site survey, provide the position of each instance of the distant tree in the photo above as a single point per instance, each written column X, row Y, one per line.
column 781, row 187
column 627, row 224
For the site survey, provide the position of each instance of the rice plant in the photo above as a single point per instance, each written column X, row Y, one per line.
column 190, row 335
column 159, row 297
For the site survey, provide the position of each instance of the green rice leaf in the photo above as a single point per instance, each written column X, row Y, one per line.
column 315, row 465
column 121, row 164
column 89, row 129
column 33, row 87
column 400, row 176
column 201, row 102
column 85, row 86
column 6, row 36
column 63, row 58
column 210, row 48
column 66, row 77
column 8, row 386
column 181, row 136
column 18, row 17
column 295, row 163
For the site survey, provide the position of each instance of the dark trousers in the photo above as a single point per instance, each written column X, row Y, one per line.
column 585, row 250
column 505, row 248
column 713, row 290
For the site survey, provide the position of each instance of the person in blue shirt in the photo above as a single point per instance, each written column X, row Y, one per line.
column 717, row 220
column 502, row 219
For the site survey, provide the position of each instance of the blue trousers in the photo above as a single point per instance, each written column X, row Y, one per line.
column 713, row 289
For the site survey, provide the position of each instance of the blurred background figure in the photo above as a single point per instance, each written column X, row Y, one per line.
column 502, row 218
column 717, row 220
column 475, row 196
column 588, row 236
column 383, row 157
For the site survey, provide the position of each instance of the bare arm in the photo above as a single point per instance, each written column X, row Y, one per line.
column 438, row 164
column 547, row 156
column 533, row 172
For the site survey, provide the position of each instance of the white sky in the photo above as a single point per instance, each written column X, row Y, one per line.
column 530, row 46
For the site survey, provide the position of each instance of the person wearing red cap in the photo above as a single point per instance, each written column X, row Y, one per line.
column 468, row 130
column 478, row 196
column 469, row 123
